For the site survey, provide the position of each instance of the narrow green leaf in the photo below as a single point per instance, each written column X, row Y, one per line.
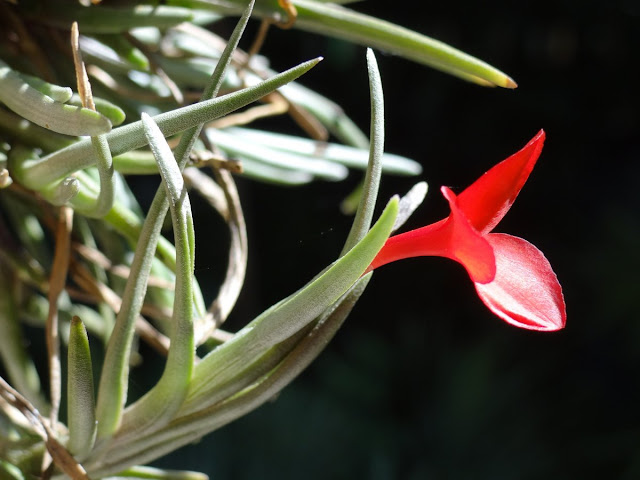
column 215, row 82
column 290, row 315
column 409, row 203
column 364, row 214
column 136, row 162
column 151, row 473
column 340, row 22
column 56, row 92
column 27, row 133
column 114, row 113
column 330, row 19
column 9, row 471
column 123, row 47
column 192, row 426
column 330, row 114
column 104, row 19
column 42, row 110
column 80, row 397
column 38, row 173
column 113, row 382
column 104, row 163
column 348, row 156
column 272, row 174
column 158, row 405
column 236, row 147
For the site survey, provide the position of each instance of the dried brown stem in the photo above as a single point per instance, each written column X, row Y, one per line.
column 231, row 211
column 276, row 105
column 57, row 281
column 83, row 277
column 82, row 80
column 98, row 258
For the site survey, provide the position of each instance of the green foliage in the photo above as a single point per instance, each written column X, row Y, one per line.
column 126, row 282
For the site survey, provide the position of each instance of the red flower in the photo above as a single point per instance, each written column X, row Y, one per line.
column 511, row 276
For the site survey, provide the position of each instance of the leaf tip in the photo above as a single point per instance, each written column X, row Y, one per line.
column 510, row 83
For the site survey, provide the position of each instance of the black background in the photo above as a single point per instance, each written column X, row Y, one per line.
column 423, row 382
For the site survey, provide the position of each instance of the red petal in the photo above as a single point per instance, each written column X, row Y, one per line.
column 466, row 245
column 489, row 198
column 525, row 292
column 453, row 238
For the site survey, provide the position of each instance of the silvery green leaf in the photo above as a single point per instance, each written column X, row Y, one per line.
column 30, row 134
column 125, row 50
column 280, row 322
column 409, row 203
column 80, row 400
column 348, row 156
column 150, row 473
column 105, row 19
column 236, row 147
column 340, row 22
column 276, row 175
column 42, row 110
column 113, row 382
column 259, row 382
column 114, row 113
column 38, row 173
column 159, row 404
column 104, row 164
column 290, row 315
column 366, row 207
column 9, row 471
column 56, row 92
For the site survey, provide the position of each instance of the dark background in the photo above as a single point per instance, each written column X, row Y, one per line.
column 423, row 382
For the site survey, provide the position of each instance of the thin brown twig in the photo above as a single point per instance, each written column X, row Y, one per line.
column 276, row 106
column 231, row 211
column 206, row 158
column 257, row 43
column 305, row 120
column 238, row 252
column 292, row 14
column 82, row 80
column 82, row 276
column 57, row 281
column 98, row 258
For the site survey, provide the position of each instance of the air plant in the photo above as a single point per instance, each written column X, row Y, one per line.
column 158, row 93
